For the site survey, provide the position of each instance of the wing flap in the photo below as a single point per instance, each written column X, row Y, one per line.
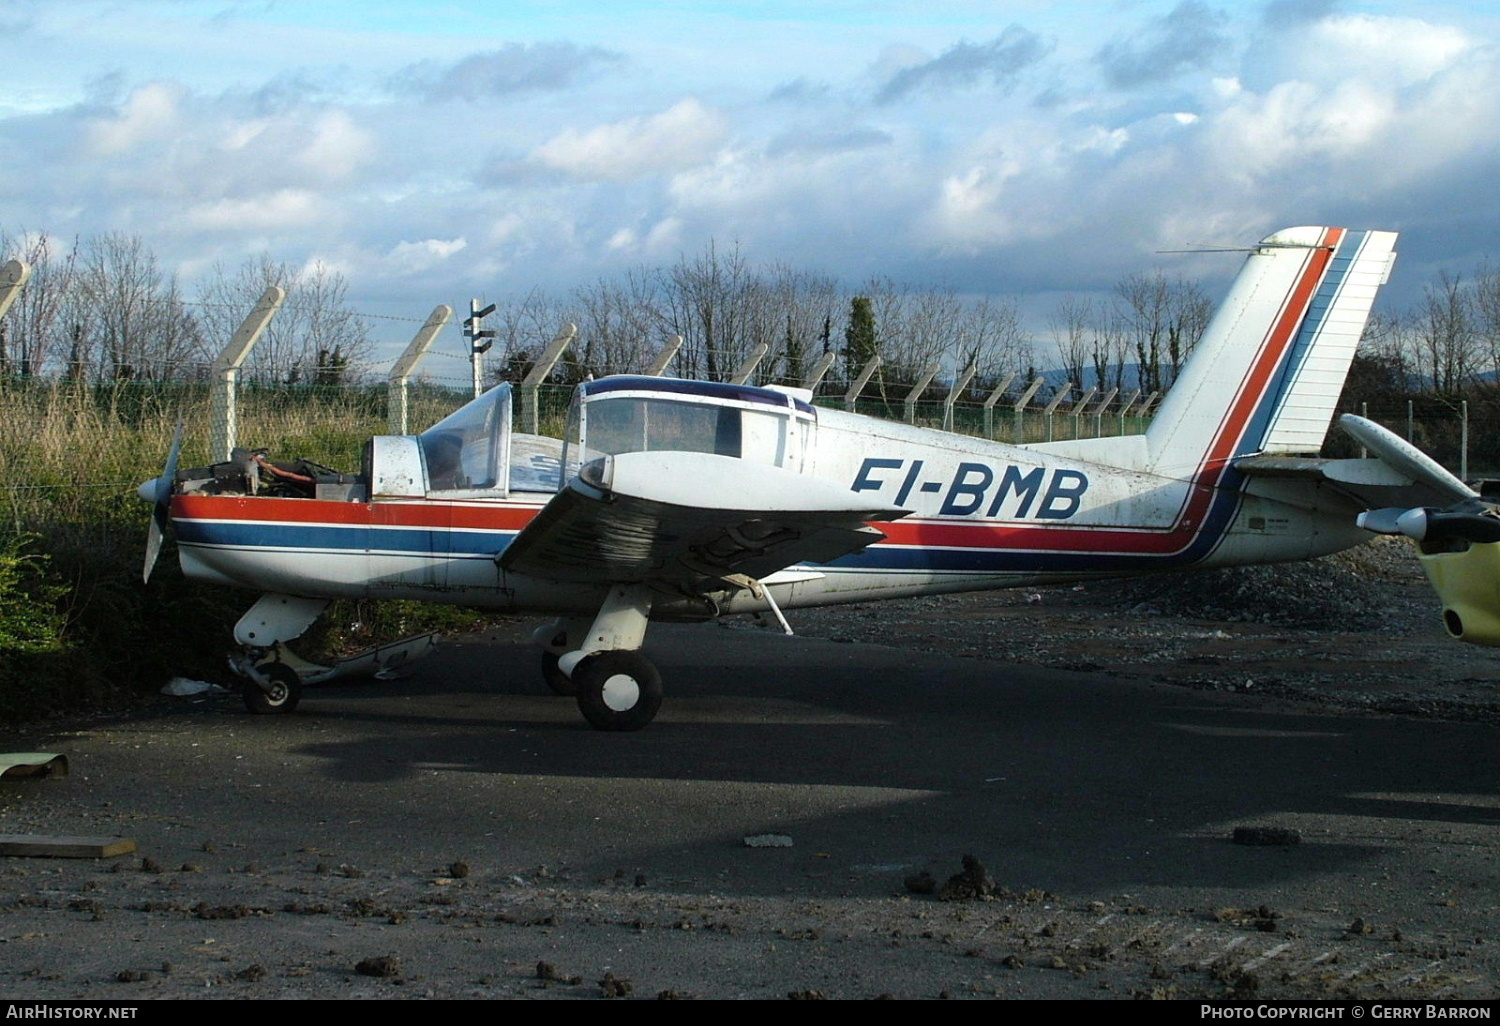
column 688, row 518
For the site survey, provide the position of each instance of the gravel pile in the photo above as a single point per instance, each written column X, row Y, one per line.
column 1346, row 591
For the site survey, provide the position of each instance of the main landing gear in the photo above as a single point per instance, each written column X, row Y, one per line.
column 599, row 663
column 274, row 675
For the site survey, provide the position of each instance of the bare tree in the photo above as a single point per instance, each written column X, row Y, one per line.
column 619, row 323
column 523, row 328
column 1446, row 336
column 802, row 307
column 1072, row 325
column 129, row 317
column 708, row 300
column 1165, row 319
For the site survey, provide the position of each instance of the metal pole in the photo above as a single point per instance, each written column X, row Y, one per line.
column 1099, row 411
column 664, row 358
column 530, row 414
column 1026, row 396
column 1049, row 413
column 990, row 401
column 953, row 393
column 860, row 382
column 396, row 408
column 742, row 374
column 1463, row 448
column 1077, row 411
column 819, row 370
column 225, row 372
column 1125, row 407
column 928, row 373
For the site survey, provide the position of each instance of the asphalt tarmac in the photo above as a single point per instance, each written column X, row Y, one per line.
column 466, row 825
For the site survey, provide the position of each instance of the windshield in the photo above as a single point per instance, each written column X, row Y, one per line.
column 466, row 450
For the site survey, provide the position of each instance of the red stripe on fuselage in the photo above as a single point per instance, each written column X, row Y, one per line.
column 476, row 516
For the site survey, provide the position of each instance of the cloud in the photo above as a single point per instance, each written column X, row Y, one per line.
column 514, row 68
column 820, row 143
column 286, row 208
column 1185, row 39
column 415, row 257
column 685, row 134
column 149, row 113
column 1293, row 14
column 799, row 90
column 1000, row 60
column 337, row 147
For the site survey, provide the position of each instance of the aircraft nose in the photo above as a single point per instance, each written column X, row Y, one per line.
column 147, row 490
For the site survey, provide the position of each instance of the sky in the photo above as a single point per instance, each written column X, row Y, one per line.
column 1018, row 148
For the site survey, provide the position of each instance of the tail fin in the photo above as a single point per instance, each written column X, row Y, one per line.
column 1269, row 369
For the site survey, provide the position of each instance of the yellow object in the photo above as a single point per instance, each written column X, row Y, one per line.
column 1468, row 584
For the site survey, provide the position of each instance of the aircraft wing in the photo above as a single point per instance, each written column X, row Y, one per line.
column 690, row 518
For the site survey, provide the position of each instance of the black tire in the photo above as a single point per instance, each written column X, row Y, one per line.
column 286, row 690
column 558, row 681
column 618, row 690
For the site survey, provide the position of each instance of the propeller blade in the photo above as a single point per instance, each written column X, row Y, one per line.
column 161, row 512
column 1405, row 458
column 1474, row 527
column 1422, row 524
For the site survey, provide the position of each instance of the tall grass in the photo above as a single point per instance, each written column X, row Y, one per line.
column 72, row 532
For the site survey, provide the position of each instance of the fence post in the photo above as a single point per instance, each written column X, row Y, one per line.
column 1049, row 412
column 1463, row 443
column 225, row 373
column 1077, row 411
column 815, row 376
column 1020, row 405
column 956, row 391
column 1099, row 411
column 1125, row 407
column 860, row 382
column 395, row 389
column 910, row 402
column 664, row 358
column 12, row 276
column 1410, row 426
column 530, row 414
column 743, row 372
column 990, row 401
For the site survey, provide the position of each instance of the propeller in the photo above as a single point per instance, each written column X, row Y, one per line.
column 1426, row 524
column 159, row 492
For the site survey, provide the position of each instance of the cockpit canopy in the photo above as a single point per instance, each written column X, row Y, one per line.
column 469, row 450
column 641, row 414
column 473, row 452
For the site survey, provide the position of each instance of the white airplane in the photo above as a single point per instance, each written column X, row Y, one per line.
column 688, row 500
column 1456, row 540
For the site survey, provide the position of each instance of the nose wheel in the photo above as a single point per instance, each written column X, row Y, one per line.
column 281, row 693
column 618, row 691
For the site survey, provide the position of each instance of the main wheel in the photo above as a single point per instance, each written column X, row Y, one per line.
column 286, row 690
column 558, row 681
column 618, row 690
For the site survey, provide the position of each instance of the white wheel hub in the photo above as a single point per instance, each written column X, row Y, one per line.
column 621, row 692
